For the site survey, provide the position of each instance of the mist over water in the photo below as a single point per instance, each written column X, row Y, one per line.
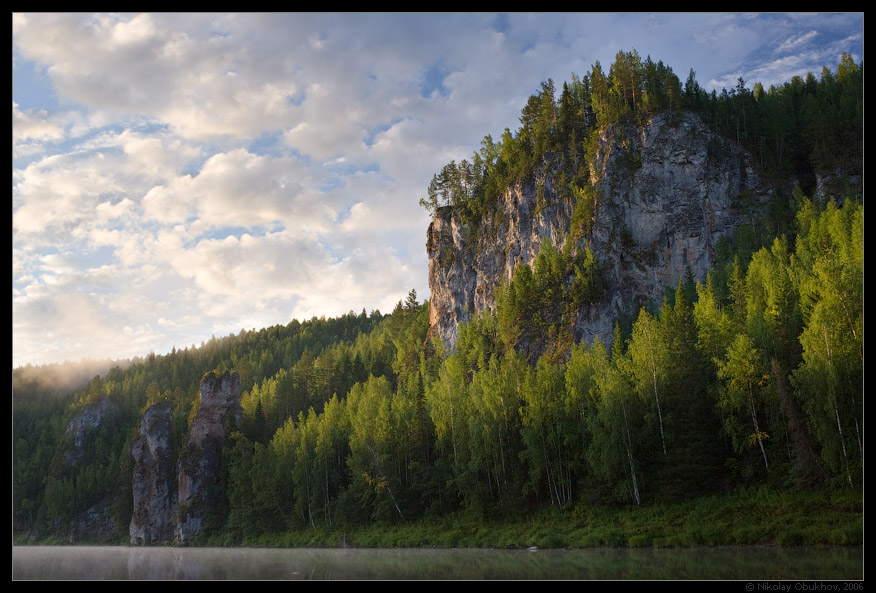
column 724, row 563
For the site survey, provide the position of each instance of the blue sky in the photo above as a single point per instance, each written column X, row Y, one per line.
column 182, row 175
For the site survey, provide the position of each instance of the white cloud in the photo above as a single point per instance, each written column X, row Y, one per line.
column 33, row 125
column 796, row 41
column 154, row 156
column 200, row 173
column 241, row 189
column 113, row 61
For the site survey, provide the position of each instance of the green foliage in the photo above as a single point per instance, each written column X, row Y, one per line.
column 646, row 364
column 753, row 377
column 375, row 425
column 829, row 266
column 545, row 424
column 537, row 309
column 795, row 131
column 550, row 128
column 582, row 213
column 615, row 425
column 745, row 382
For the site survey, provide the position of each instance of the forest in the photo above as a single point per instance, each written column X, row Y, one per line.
column 750, row 378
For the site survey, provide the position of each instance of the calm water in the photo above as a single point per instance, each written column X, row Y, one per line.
column 726, row 563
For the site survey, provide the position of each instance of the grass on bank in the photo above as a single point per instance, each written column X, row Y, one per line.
column 747, row 517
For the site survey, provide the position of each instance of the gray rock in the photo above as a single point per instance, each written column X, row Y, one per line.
column 665, row 193
column 218, row 412
column 154, row 480
column 81, row 427
column 174, row 497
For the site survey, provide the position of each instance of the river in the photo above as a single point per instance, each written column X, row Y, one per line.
column 754, row 563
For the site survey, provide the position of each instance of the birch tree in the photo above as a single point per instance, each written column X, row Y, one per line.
column 646, row 364
column 744, row 378
column 829, row 263
column 615, row 429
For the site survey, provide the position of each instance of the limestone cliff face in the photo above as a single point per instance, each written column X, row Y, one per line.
column 81, row 428
column 97, row 521
column 173, row 497
column 467, row 263
column 154, row 480
column 219, row 410
column 664, row 193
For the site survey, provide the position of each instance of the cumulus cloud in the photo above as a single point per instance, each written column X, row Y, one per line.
column 189, row 174
column 34, row 125
column 210, row 85
column 241, row 189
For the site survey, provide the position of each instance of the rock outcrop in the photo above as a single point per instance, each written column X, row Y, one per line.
column 81, row 439
column 664, row 194
column 81, row 428
column 199, row 467
column 154, row 480
column 174, row 497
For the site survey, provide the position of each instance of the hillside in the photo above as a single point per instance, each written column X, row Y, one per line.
column 646, row 294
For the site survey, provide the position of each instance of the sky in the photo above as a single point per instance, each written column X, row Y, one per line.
column 179, row 176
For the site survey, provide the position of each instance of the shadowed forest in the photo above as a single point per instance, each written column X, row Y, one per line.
column 751, row 379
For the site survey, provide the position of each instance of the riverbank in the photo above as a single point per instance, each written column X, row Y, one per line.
column 759, row 516
column 750, row 517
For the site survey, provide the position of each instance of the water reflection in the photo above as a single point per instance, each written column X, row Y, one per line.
column 728, row 563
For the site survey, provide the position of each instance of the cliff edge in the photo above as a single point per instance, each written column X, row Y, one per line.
column 660, row 197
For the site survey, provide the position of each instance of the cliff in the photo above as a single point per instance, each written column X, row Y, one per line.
column 154, row 480
column 81, row 429
column 81, row 439
column 173, row 498
column 661, row 196
column 199, row 467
